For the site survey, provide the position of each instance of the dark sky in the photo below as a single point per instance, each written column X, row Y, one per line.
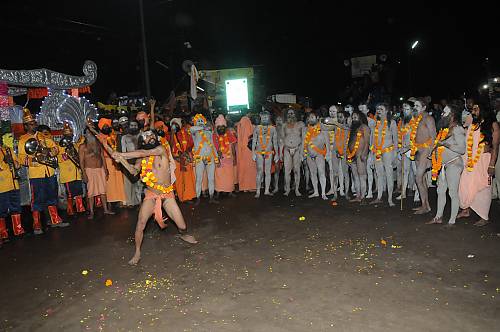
column 299, row 45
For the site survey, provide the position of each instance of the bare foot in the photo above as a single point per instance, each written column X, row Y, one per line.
column 188, row 238
column 268, row 194
column 435, row 220
column 416, row 208
column 135, row 260
column 331, row 192
column 369, row 196
column 213, row 201
column 314, row 195
column 463, row 214
column 422, row 210
column 257, row 195
column 233, row 195
column 391, row 204
column 275, row 190
column 355, row 200
column 297, row 193
column 481, row 222
column 449, row 226
column 91, row 216
column 109, row 212
column 324, row 197
column 376, row 201
column 286, row 193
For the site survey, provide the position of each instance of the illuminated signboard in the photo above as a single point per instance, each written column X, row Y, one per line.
column 237, row 94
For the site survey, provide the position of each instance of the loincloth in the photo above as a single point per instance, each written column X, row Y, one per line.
column 158, row 200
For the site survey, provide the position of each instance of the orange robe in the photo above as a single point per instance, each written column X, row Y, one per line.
column 185, row 184
column 224, row 177
column 247, row 169
column 115, row 191
column 474, row 190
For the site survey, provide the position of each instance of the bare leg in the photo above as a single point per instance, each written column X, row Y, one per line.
column 287, row 160
column 260, row 170
column 441, row 203
column 387, row 159
column 296, row 172
column 90, row 200
column 145, row 213
column 346, row 178
column 320, row 164
column 199, row 168
column 267, row 171
column 173, row 211
column 369, row 170
column 341, row 177
column 362, row 179
column 307, row 175
column 314, row 176
column 355, row 181
column 277, row 172
column 379, row 168
column 105, row 205
column 422, row 164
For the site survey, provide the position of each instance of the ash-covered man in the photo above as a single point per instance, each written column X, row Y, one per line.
column 264, row 146
column 422, row 136
column 370, row 162
column 357, row 153
column 205, row 156
column 447, row 162
column 292, row 154
column 330, row 123
column 482, row 140
column 384, row 136
column 157, row 170
column 129, row 143
column 316, row 147
column 341, row 139
column 281, row 141
column 404, row 165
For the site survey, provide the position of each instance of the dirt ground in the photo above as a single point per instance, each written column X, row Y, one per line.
column 259, row 266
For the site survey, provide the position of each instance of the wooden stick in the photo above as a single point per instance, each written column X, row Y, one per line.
column 132, row 170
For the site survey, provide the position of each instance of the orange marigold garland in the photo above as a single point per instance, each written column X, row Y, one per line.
column 413, row 135
column 311, row 134
column 340, row 137
column 378, row 149
column 437, row 156
column 472, row 161
column 148, row 177
column 402, row 131
column 352, row 154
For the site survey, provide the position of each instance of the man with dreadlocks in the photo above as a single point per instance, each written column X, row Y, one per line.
column 357, row 153
column 447, row 163
column 157, row 169
column 483, row 137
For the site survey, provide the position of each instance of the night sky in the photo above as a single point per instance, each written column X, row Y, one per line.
column 299, row 46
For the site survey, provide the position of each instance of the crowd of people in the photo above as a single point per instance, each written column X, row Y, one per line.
column 123, row 161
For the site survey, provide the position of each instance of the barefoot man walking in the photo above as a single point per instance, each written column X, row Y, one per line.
column 157, row 172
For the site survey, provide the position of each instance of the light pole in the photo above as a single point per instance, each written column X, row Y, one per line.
column 144, row 50
column 413, row 45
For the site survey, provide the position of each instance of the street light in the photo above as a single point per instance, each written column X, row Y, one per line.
column 413, row 46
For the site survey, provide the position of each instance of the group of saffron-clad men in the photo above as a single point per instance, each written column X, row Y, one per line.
column 353, row 148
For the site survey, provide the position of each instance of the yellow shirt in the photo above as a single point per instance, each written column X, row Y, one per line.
column 7, row 182
column 35, row 170
column 68, row 171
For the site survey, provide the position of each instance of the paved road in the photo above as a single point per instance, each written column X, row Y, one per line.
column 258, row 267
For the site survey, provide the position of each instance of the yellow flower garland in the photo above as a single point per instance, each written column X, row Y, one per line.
column 352, row 154
column 471, row 162
column 437, row 156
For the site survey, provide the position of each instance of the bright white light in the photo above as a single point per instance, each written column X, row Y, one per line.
column 401, row 98
column 200, row 88
column 339, row 103
column 495, row 79
column 485, row 86
column 415, row 43
column 237, row 93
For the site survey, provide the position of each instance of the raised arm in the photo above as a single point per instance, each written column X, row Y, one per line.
column 158, row 151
